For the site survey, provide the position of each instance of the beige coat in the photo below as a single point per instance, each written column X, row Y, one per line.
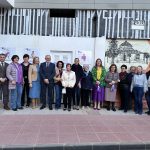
column 68, row 79
column 32, row 74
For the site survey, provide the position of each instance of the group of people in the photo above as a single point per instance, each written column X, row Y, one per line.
column 32, row 84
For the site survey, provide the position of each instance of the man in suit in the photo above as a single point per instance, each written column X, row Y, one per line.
column 47, row 72
column 4, row 81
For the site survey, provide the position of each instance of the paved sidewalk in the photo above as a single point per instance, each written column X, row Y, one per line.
column 44, row 127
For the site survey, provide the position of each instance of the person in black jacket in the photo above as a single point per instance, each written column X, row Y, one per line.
column 147, row 94
column 25, row 93
column 77, row 68
column 86, row 86
column 124, row 88
column 129, row 78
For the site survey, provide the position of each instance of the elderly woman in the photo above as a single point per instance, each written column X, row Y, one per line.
column 98, row 74
column 15, row 75
column 34, row 82
column 68, row 82
column 86, row 86
column 111, row 79
column 139, row 86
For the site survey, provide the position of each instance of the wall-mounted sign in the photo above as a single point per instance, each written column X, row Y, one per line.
column 138, row 24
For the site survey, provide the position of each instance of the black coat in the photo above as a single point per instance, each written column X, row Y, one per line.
column 87, row 81
column 78, row 71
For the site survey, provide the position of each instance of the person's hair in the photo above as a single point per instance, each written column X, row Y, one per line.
column 124, row 66
column 68, row 64
column 112, row 66
column 61, row 63
column 132, row 67
column 96, row 62
column 2, row 54
column 25, row 56
column 140, row 67
column 35, row 59
column 14, row 57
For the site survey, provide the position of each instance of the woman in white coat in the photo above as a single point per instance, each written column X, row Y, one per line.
column 68, row 82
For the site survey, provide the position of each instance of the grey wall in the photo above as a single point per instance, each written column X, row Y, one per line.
column 109, row 23
column 84, row 4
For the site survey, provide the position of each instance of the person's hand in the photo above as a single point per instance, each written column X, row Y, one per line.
column 13, row 82
column 97, row 82
column 2, row 79
column 113, row 82
column 30, row 85
column 46, row 81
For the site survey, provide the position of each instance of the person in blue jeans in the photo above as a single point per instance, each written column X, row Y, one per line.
column 14, row 73
column 139, row 86
column 58, row 84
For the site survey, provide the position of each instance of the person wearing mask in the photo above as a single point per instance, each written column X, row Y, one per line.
column 98, row 74
column 25, row 93
column 124, row 88
column 139, row 86
column 86, row 87
column 4, row 82
column 34, row 82
column 77, row 68
column 68, row 82
column 47, row 73
column 14, row 73
column 112, row 79
column 58, row 84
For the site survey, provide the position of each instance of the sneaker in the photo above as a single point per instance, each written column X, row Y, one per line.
column 15, row 109
column 64, row 109
column 74, row 107
column 83, row 107
column 113, row 109
column 20, row 107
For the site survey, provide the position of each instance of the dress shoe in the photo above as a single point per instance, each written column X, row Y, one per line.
column 113, row 109
column 108, row 108
column 64, row 109
column 148, row 113
column 50, row 108
column 15, row 109
column 69, row 109
column 77, row 108
column 42, row 107
column 125, row 111
column 6, row 108
column 20, row 107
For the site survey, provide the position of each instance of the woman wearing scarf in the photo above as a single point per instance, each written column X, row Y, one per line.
column 124, row 88
column 15, row 75
column 98, row 74
column 139, row 86
column 111, row 79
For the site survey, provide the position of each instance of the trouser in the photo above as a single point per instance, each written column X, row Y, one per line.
column 85, row 94
column 25, row 93
column 15, row 95
column 68, row 98
column 58, row 92
column 47, row 88
column 76, row 96
column 124, row 95
column 4, row 93
column 147, row 96
column 138, row 95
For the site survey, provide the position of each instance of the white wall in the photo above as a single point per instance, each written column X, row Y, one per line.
column 45, row 44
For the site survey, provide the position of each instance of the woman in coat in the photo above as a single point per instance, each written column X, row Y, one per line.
column 98, row 74
column 68, row 82
column 112, row 78
column 34, row 82
column 15, row 75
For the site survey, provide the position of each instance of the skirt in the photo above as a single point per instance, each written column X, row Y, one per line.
column 110, row 95
column 35, row 90
column 98, row 95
